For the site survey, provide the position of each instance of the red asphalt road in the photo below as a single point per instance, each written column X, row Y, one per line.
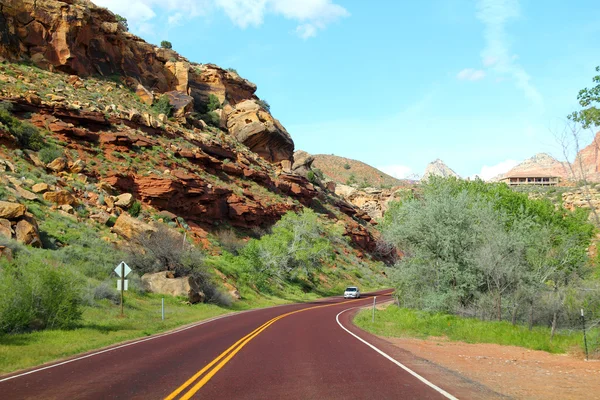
column 306, row 355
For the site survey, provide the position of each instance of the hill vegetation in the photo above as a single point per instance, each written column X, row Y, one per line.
column 353, row 172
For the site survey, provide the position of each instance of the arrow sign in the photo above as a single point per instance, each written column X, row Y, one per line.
column 126, row 269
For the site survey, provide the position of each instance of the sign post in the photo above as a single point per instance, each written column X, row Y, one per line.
column 122, row 270
column 584, row 336
column 373, row 319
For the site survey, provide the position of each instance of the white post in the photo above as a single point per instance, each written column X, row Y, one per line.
column 163, row 308
column 373, row 319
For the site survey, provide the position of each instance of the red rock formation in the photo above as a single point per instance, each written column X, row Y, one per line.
column 77, row 37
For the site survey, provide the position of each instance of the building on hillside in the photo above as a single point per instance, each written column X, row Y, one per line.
column 519, row 179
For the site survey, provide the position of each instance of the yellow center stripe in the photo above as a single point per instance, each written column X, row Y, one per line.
column 232, row 351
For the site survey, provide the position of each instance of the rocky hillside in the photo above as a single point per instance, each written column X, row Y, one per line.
column 94, row 121
column 352, row 172
column 438, row 168
column 539, row 164
column 586, row 166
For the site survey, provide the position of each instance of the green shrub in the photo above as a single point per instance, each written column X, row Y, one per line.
column 165, row 44
column 213, row 103
column 111, row 221
column 346, row 166
column 49, row 154
column 35, row 294
column 135, row 208
column 233, row 70
column 163, row 106
column 312, row 177
column 211, row 118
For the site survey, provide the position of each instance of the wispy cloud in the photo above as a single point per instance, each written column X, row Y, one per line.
column 497, row 55
column 470, row 74
column 312, row 16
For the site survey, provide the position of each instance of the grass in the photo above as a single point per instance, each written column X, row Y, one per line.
column 102, row 326
column 399, row 322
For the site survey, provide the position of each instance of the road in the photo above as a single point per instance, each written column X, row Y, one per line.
column 297, row 351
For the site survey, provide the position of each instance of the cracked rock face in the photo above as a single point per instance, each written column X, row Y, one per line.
column 79, row 38
column 257, row 129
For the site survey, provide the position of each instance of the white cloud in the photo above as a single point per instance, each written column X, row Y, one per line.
column 470, row 74
column 311, row 15
column 495, row 14
column 488, row 172
column 397, row 171
column 306, row 31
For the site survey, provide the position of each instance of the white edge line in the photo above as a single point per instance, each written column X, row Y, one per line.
column 142, row 340
column 121, row 346
column 404, row 367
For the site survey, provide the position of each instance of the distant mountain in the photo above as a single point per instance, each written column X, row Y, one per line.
column 352, row 172
column 438, row 168
column 539, row 164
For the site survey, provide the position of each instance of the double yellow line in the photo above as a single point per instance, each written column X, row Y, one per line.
column 228, row 354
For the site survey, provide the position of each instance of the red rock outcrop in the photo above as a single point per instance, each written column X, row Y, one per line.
column 77, row 37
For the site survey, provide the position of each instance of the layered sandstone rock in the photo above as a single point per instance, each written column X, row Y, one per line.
column 79, row 38
column 256, row 128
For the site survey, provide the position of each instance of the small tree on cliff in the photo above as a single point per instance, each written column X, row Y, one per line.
column 122, row 21
column 165, row 44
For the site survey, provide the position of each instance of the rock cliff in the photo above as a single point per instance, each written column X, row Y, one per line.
column 438, row 168
column 76, row 37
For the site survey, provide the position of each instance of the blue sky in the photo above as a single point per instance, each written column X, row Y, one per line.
column 480, row 84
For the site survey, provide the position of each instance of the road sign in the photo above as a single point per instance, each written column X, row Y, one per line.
column 125, row 286
column 122, row 266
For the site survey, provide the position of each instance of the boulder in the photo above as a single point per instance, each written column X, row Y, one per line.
column 40, row 187
column 100, row 217
column 258, row 130
column 11, row 210
column 58, row 165
column 24, row 193
column 6, row 252
column 144, row 94
column 302, row 163
column 159, row 282
column 181, row 103
column 128, row 227
column 35, row 160
column 123, row 200
column 27, row 231
column 77, row 167
column 6, row 228
column 60, row 198
column 6, row 165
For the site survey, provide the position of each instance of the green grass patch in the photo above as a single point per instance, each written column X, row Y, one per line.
column 399, row 322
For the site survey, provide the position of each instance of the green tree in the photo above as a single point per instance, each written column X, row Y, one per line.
column 589, row 99
column 165, row 44
column 122, row 21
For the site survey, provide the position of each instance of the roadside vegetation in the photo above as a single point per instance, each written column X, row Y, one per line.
column 62, row 300
column 401, row 322
column 485, row 252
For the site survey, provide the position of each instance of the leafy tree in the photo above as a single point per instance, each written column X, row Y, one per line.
column 296, row 249
column 589, row 100
column 482, row 249
column 122, row 21
column 165, row 44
